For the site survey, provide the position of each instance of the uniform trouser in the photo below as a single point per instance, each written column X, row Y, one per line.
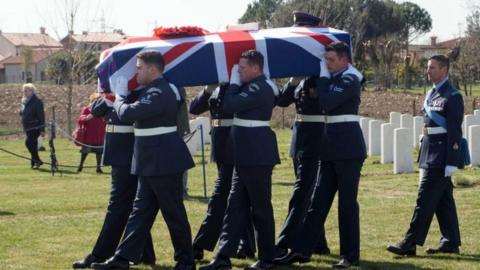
column 342, row 176
column 307, row 173
column 435, row 196
column 209, row 232
column 31, row 142
column 122, row 195
column 164, row 193
column 251, row 193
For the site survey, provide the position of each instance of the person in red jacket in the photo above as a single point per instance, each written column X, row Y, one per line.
column 95, row 134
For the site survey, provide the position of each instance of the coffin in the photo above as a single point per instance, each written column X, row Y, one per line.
column 208, row 59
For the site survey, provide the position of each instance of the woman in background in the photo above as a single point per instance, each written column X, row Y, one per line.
column 95, row 134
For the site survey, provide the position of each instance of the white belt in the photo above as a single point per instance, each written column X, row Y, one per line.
column 118, row 129
column 434, row 130
column 329, row 119
column 222, row 122
column 250, row 123
column 154, row 131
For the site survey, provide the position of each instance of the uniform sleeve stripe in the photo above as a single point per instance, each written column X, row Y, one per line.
column 175, row 90
column 274, row 87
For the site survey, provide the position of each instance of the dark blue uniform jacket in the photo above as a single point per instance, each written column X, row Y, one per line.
column 252, row 146
column 340, row 95
column 157, row 106
column 222, row 151
column 439, row 150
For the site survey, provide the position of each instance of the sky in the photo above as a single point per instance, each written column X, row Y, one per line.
column 139, row 17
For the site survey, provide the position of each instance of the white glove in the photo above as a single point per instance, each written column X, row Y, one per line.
column 295, row 80
column 449, row 170
column 121, row 86
column 235, row 76
column 323, row 69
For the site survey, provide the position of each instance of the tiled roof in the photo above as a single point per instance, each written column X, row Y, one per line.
column 31, row 39
column 99, row 37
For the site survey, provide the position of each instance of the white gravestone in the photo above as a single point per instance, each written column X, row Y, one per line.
column 386, row 150
column 402, row 151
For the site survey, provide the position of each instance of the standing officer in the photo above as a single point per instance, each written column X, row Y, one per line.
column 342, row 152
column 160, row 157
column 211, row 98
column 440, row 157
column 117, row 152
column 305, row 147
column 251, row 98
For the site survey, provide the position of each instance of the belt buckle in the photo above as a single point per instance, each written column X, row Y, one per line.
column 109, row 128
column 425, row 131
column 216, row 122
column 300, row 117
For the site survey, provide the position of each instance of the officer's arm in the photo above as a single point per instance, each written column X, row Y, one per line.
column 199, row 103
column 99, row 107
column 287, row 95
column 455, row 111
column 151, row 104
column 237, row 100
column 342, row 92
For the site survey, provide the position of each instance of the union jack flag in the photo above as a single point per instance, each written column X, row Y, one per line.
column 208, row 59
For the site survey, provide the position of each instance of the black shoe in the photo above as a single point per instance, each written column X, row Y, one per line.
column 280, row 252
column 220, row 263
column 292, row 258
column 87, row 262
column 260, row 265
column 197, row 253
column 242, row 254
column 403, row 249
column 80, row 168
column 41, row 149
column 112, row 263
column 181, row 266
column 322, row 251
column 99, row 170
column 344, row 264
column 443, row 249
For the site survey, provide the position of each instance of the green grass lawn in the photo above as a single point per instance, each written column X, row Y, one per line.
column 47, row 222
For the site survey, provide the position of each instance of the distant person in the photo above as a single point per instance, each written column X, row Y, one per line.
column 33, row 122
column 95, row 134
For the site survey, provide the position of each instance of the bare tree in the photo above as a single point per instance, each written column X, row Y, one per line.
column 74, row 66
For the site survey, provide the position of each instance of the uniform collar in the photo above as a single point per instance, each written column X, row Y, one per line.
column 339, row 72
column 258, row 78
column 155, row 82
column 440, row 83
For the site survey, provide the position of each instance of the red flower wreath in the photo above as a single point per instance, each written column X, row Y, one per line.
column 178, row 32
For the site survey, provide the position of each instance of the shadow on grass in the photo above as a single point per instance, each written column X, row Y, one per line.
column 461, row 257
column 197, row 198
column 285, row 184
column 59, row 172
column 397, row 265
column 6, row 213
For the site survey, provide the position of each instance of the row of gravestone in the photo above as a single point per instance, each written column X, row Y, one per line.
column 395, row 141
